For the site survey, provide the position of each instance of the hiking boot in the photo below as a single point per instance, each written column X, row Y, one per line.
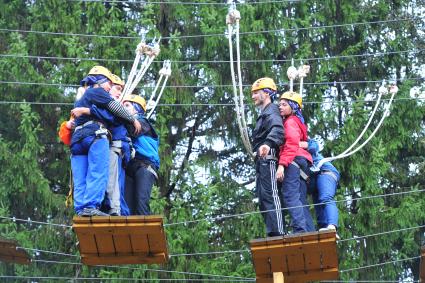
column 87, row 212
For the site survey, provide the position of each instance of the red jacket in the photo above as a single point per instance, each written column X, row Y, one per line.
column 295, row 131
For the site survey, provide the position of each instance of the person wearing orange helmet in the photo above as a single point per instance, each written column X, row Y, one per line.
column 294, row 163
column 267, row 136
column 119, row 151
column 89, row 144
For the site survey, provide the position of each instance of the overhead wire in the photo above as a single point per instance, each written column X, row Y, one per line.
column 217, row 61
column 285, row 208
column 378, row 264
column 213, row 35
column 72, row 279
column 3, row 102
column 187, row 3
column 356, row 238
column 145, row 269
column 214, row 86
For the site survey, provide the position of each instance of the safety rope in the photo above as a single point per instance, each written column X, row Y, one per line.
column 165, row 73
column 232, row 21
column 145, row 53
column 393, row 89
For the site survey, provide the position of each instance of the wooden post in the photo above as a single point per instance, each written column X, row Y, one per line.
column 278, row 277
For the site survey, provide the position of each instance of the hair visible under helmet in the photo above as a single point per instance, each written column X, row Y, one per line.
column 296, row 110
column 267, row 85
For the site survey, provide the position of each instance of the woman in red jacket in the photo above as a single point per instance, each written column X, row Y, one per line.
column 294, row 163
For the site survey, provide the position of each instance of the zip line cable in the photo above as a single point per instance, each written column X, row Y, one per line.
column 214, row 104
column 29, row 221
column 187, row 3
column 217, row 61
column 212, row 35
column 72, row 279
column 214, row 86
column 242, row 250
column 147, row 269
column 378, row 264
column 285, row 208
column 231, row 215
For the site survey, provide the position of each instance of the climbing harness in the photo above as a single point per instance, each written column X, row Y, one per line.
column 383, row 90
column 232, row 20
column 145, row 54
column 165, row 73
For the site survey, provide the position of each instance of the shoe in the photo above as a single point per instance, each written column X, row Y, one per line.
column 87, row 212
column 330, row 227
column 114, row 212
column 275, row 234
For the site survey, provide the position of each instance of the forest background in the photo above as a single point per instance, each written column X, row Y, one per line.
column 46, row 48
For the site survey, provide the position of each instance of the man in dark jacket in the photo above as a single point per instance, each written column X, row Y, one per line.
column 268, row 135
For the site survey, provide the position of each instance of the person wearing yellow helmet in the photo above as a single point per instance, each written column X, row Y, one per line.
column 142, row 171
column 294, row 163
column 89, row 143
column 119, row 151
column 267, row 136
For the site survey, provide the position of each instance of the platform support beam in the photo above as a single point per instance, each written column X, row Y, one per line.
column 278, row 277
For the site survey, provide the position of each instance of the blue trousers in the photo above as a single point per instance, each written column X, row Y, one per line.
column 268, row 195
column 324, row 192
column 90, row 172
column 294, row 190
column 125, row 211
column 138, row 190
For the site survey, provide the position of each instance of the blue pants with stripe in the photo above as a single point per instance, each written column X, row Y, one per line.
column 269, row 197
column 90, row 171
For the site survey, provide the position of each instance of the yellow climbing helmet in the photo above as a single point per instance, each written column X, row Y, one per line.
column 100, row 70
column 117, row 80
column 137, row 99
column 263, row 83
column 293, row 96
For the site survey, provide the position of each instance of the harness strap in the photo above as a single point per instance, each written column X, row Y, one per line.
column 302, row 173
column 88, row 123
column 330, row 173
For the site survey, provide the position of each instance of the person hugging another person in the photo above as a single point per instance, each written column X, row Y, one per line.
column 90, row 145
column 294, row 163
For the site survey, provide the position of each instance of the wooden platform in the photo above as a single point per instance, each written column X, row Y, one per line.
column 422, row 267
column 299, row 258
column 9, row 252
column 121, row 240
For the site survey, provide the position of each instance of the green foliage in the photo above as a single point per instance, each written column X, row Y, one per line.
column 205, row 173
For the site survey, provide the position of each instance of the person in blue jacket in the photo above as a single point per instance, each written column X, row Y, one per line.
column 119, row 152
column 90, row 145
column 142, row 171
column 323, row 185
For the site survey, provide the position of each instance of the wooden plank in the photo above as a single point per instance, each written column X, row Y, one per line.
column 140, row 243
column 156, row 243
column 262, row 267
column 122, row 244
column 300, row 257
column 112, row 260
column 119, row 228
column 87, row 244
column 105, row 244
